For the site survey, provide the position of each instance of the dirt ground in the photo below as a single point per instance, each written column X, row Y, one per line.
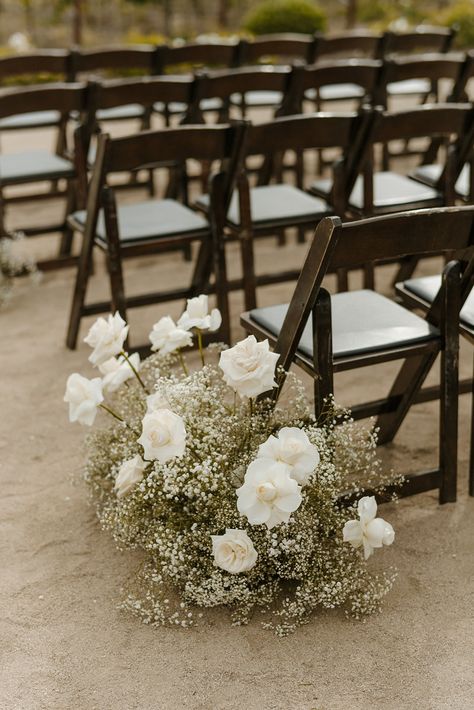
column 65, row 646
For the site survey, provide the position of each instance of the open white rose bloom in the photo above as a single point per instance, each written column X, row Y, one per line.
column 233, row 501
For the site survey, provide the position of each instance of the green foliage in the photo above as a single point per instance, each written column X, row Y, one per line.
column 461, row 14
column 381, row 13
column 274, row 16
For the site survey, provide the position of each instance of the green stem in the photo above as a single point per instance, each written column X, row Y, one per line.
column 135, row 372
column 235, row 402
column 118, row 418
column 201, row 351
column 183, row 364
column 251, row 406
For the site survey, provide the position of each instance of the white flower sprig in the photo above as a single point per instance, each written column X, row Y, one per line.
column 368, row 532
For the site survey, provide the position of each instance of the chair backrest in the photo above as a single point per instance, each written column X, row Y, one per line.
column 358, row 43
column 118, row 60
column 64, row 98
column 280, row 47
column 225, row 83
column 145, row 91
column 429, row 120
column 422, row 39
column 433, row 67
column 363, row 72
column 194, row 55
column 45, row 62
column 353, row 244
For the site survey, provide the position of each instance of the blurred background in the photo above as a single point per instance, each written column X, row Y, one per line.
column 62, row 23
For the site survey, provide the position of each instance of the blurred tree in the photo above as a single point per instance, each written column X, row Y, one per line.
column 167, row 6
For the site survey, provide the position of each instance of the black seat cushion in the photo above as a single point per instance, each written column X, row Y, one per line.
column 149, row 220
column 336, row 92
column 427, row 287
column 430, row 174
column 274, row 203
column 362, row 322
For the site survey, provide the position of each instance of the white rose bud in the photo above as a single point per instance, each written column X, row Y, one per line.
column 269, row 494
column 163, row 435
column 116, row 371
column 130, row 473
column 106, row 337
column 368, row 532
column 197, row 315
column 166, row 337
column 249, row 367
column 83, row 396
column 292, row 446
column 234, row 552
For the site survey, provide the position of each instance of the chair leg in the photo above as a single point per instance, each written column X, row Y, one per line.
column 117, row 289
column 471, row 457
column 65, row 246
column 202, row 269
column 322, row 351
column 449, row 388
column 407, row 383
column 248, row 269
column 82, row 277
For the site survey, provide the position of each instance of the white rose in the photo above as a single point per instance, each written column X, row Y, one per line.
column 130, row 473
column 106, row 337
column 163, row 435
column 269, row 494
column 234, row 552
column 249, row 367
column 369, row 531
column 83, row 396
column 116, row 371
column 197, row 315
column 167, row 337
column 292, row 446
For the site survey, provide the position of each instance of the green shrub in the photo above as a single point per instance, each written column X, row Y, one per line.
column 461, row 14
column 274, row 16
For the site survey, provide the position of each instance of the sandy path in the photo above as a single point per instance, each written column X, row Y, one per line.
column 64, row 645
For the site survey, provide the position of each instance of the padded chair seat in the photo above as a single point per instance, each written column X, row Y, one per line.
column 176, row 107
column 149, row 220
column 429, row 175
column 33, row 166
column 336, row 92
column 362, row 322
column 258, row 98
column 30, row 120
column 274, row 203
column 119, row 113
column 427, row 287
column 390, row 190
column 409, row 87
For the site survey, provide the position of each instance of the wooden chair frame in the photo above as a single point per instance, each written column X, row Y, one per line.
column 428, row 231
column 422, row 39
column 357, row 43
column 66, row 99
column 211, row 143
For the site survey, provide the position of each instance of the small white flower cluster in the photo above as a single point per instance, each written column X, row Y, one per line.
column 233, row 498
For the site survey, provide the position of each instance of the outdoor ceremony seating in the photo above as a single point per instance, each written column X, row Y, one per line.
column 138, row 229
column 36, row 166
column 266, row 208
column 327, row 334
column 342, row 80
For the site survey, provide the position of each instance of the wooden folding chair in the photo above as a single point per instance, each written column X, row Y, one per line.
column 328, row 334
column 357, row 44
column 143, row 228
column 108, row 62
column 266, row 209
column 342, row 80
column 36, row 166
column 188, row 57
column 272, row 49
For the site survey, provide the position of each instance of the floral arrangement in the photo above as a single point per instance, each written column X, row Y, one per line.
column 13, row 263
column 233, row 498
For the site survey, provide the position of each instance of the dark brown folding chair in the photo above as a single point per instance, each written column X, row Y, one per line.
column 146, row 227
column 266, row 209
column 420, row 293
column 194, row 56
column 326, row 335
column 272, row 49
column 350, row 45
column 47, row 65
column 342, row 80
column 107, row 62
column 37, row 166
